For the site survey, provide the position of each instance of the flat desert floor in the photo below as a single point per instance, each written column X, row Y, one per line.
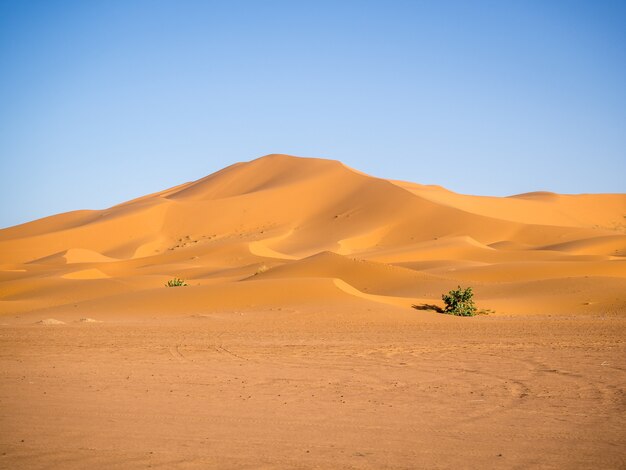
column 316, row 388
column 319, row 388
column 306, row 336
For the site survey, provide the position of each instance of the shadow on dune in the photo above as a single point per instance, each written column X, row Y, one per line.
column 436, row 308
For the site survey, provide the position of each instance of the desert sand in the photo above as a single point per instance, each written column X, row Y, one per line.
column 304, row 338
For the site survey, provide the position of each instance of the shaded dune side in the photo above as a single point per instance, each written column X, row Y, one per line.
column 611, row 245
column 114, row 232
column 73, row 256
column 366, row 276
column 604, row 211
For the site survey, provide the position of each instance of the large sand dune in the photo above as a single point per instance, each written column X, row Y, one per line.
column 303, row 218
column 296, row 344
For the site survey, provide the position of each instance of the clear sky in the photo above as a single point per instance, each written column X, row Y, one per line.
column 102, row 101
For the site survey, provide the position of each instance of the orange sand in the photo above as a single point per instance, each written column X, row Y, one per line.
column 295, row 344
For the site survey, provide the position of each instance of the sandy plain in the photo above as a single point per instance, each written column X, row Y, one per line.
column 296, row 344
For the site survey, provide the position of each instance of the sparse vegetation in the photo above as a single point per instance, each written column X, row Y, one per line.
column 459, row 302
column 261, row 269
column 176, row 283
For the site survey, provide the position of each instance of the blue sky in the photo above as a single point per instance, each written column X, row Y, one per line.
column 103, row 101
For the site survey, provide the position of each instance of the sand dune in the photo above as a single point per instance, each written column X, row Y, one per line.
column 295, row 343
column 366, row 276
column 303, row 218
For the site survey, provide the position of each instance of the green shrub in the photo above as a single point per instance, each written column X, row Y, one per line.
column 176, row 283
column 459, row 302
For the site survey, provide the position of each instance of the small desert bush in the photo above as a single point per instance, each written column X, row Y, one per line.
column 176, row 283
column 459, row 302
column 261, row 269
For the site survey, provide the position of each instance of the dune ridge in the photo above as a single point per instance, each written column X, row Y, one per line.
column 285, row 222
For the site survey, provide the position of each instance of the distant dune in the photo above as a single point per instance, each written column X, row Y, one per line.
column 286, row 230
